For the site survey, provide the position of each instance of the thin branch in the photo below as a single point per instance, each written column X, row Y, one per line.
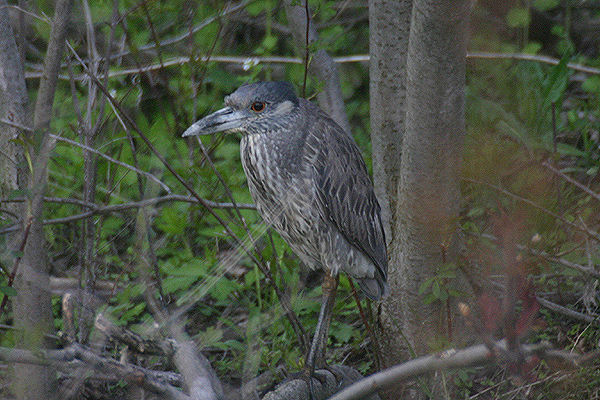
column 569, row 264
column 113, row 160
column 136, row 204
column 99, row 153
column 587, row 231
column 96, row 209
column 567, row 312
column 533, row 57
column 248, row 61
column 155, row 46
column 571, row 180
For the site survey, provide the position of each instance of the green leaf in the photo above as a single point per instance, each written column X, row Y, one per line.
column 269, row 42
column 568, row 150
column 556, row 83
column 518, row 17
column 425, row 285
column 592, row 171
column 223, row 289
column 172, row 219
column 532, row 48
column 429, row 299
column 342, row 332
column 8, row 290
column 133, row 312
column 255, row 8
column 592, row 84
column 544, row 5
column 436, row 289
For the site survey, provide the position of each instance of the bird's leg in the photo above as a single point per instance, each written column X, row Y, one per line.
column 318, row 347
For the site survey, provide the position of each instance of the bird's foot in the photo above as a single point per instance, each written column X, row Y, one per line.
column 322, row 382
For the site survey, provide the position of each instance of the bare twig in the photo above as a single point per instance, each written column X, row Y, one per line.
column 136, row 204
column 255, row 60
column 559, row 260
column 145, row 378
column 98, row 209
column 567, row 312
column 533, row 57
column 572, row 181
column 321, row 64
column 113, row 160
column 99, row 153
column 133, row 340
column 587, row 231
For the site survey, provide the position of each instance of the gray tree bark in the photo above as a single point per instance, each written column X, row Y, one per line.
column 13, row 101
column 428, row 195
column 417, row 174
column 32, row 307
column 389, row 25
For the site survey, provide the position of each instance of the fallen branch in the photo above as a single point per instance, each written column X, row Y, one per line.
column 450, row 359
column 200, row 379
column 147, row 379
column 133, row 340
column 567, row 312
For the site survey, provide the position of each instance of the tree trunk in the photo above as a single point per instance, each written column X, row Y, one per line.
column 421, row 185
column 13, row 100
column 428, row 195
column 389, row 25
column 32, row 307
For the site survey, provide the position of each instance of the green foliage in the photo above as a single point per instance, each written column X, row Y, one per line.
column 440, row 287
column 518, row 17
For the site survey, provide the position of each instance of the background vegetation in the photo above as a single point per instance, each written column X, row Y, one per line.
column 124, row 233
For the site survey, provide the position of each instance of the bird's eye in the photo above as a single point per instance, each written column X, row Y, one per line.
column 258, row 106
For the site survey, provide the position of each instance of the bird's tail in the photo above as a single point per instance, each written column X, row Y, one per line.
column 373, row 288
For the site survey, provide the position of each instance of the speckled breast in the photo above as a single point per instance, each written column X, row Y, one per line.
column 285, row 200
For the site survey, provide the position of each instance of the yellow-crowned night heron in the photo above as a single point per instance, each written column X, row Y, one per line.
column 309, row 182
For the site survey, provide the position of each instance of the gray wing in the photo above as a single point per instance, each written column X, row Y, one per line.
column 346, row 192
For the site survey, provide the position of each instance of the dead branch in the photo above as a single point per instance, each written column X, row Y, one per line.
column 567, row 312
column 572, row 181
column 565, row 221
column 535, row 58
column 133, row 340
column 96, row 209
column 559, row 260
column 149, row 380
column 450, row 359
column 200, row 379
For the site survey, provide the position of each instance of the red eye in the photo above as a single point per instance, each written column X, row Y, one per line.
column 258, row 106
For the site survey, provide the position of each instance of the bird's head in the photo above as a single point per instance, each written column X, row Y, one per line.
column 254, row 108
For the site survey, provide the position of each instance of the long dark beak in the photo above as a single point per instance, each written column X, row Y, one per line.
column 226, row 119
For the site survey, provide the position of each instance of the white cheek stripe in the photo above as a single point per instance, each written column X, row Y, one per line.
column 283, row 107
